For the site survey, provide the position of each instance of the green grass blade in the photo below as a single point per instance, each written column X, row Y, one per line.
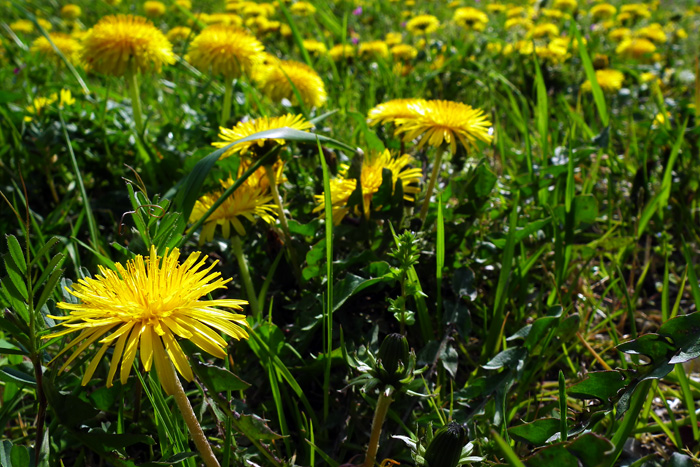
column 598, row 96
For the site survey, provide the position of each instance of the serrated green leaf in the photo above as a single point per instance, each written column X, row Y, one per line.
column 49, row 287
column 16, row 285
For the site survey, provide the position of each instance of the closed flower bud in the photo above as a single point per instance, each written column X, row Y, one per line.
column 392, row 353
column 446, row 447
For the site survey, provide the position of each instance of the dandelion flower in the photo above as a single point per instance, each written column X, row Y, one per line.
column 302, row 9
column 373, row 49
column 154, row 9
column 243, row 129
column 68, row 46
column 225, row 50
column 314, row 47
column 23, row 26
column 279, row 80
column 179, row 33
column 545, row 30
column 392, row 38
column 404, row 52
column 422, row 25
column 340, row 51
column 371, row 176
column 394, row 110
column 144, row 306
column 471, row 18
column 71, row 11
column 602, row 11
column 248, row 201
column 638, row 48
column 609, row 80
column 437, row 121
column 119, row 42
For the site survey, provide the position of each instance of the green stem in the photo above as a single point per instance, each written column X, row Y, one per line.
column 226, row 109
column 272, row 178
column 245, row 274
column 379, row 415
column 133, row 85
column 200, row 440
column 630, row 419
column 431, row 184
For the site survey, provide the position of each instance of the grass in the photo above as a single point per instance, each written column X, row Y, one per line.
column 548, row 295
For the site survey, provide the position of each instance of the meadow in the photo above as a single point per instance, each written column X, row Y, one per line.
column 349, row 233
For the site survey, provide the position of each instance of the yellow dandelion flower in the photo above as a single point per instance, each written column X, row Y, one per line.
column 404, row 52
column 371, row 176
column 71, row 11
column 44, row 24
column 392, row 38
column 248, row 201
column 609, row 81
column 514, row 11
column 22, row 26
column 179, row 33
column 154, row 9
column 638, row 48
column 302, row 9
column 653, row 32
column 567, row 5
column 394, row 110
column 227, row 19
column 118, row 42
column 145, row 306
column 243, row 129
column 602, row 11
column 278, row 80
column 226, row 50
column 315, row 47
column 518, row 23
column 373, row 49
column 340, row 51
column 68, row 46
column 186, row 4
column 422, row 25
column 635, row 11
column 470, row 18
column 437, row 121
column 620, row 34
column 496, row 8
column 553, row 14
column 545, row 30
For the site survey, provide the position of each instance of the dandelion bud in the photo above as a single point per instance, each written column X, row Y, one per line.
column 446, row 447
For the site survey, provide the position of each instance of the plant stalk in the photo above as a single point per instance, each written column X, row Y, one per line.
column 226, row 109
column 272, row 178
column 245, row 275
column 379, row 415
column 431, row 184
column 196, row 432
column 133, row 85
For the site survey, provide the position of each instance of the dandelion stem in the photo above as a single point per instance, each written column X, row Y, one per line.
column 133, row 84
column 196, row 432
column 272, row 178
column 431, row 184
column 245, row 274
column 379, row 415
column 226, row 109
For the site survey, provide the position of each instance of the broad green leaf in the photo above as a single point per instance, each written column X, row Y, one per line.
column 537, row 432
column 256, row 427
column 219, row 379
column 18, row 373
column 19, row 455
column 601, row 385
column 510, row 358
column 349, row 286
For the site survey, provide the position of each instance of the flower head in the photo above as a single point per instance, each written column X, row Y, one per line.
column 471, row 18
column 249, row 200
column 341, row 51
column 117, row 42
column 373, row 49
column 225, row 50
column 243, row 129
column 179, row 33
column 68, row 46
column 144, row 306
column 71, row 11
column 279, row 79
column 315, row 47
column 371, row 178
column 422, row 25
column 609, row 80
column 437, row 121
column 154, row 9
column 302, row 9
